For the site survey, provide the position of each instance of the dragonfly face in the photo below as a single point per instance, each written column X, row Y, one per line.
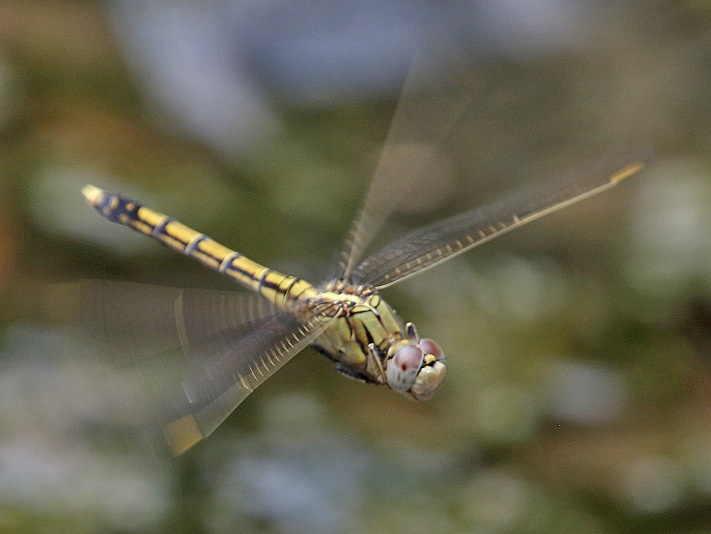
column 417, row 370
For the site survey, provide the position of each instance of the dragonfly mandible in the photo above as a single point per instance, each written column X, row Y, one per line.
column 228, row 346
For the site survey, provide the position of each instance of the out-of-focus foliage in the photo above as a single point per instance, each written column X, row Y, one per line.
column 579, row 389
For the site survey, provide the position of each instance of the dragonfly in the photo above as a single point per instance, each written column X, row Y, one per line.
column 228, row 346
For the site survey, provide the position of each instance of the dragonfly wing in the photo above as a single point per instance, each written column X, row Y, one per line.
column 186, row 358
column 143, row 319
column 431, row 245
column 212, row 388
column 436, row 92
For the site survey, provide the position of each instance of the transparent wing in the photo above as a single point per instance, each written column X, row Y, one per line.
column 437, row 90
column 186, row 358
column 431, row 245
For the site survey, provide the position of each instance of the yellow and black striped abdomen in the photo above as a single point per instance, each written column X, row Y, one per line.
column 279, row 288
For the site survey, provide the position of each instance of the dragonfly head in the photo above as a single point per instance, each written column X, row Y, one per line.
column 417, row 366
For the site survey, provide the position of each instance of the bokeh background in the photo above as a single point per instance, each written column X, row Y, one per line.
column 579, row 389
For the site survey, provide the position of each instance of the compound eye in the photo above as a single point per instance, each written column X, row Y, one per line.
column 429, row 346
column 403, row 368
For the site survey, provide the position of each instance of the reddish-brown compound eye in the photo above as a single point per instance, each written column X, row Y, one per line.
column 408, row 358
column 402, row 369
column 430, row 346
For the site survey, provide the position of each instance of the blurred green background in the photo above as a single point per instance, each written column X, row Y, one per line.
column 579, row 390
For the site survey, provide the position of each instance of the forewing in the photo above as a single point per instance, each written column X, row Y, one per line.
column 431, row 245
column 438, row 88
column 181, row 359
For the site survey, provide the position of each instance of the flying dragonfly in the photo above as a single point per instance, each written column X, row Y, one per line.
column 228, row 345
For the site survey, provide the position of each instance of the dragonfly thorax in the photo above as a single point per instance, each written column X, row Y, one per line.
column 368, row 342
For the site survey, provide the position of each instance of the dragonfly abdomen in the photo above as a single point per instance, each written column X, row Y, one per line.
column 281, row 289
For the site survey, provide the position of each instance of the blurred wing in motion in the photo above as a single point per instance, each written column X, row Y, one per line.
column 438, row 242
column 191, row 355
column 436, row 92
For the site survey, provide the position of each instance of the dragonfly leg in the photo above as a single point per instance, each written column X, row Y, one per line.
column 354, row 374
column 374, row 363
